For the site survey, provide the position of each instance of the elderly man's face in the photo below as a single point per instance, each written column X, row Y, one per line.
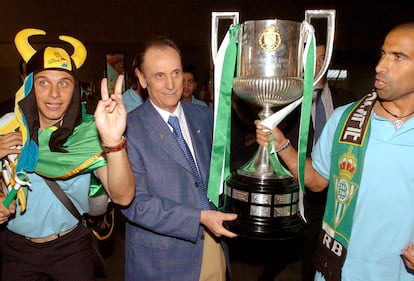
column 162, row 75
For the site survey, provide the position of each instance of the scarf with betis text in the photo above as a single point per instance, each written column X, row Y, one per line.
column 348, row 152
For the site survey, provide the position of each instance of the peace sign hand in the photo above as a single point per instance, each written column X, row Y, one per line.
column 110, row 114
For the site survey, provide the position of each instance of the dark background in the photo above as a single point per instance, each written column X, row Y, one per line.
column 122, row 25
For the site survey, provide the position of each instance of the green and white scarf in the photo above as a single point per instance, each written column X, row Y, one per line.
column 348, row 153
column 223, row 78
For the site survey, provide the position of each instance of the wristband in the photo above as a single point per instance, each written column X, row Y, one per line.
column 119, row 147
column 284, row 147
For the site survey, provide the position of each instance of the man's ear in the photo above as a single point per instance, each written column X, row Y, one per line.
column 141, row 78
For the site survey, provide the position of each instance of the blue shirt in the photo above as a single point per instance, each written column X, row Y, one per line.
column 197, row 101
column 384, row 216
column 45, row 214
column 131, row 99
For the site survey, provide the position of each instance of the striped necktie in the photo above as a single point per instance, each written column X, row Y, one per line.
column 173, row 121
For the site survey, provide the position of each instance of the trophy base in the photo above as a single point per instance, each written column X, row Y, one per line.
column 267, row 208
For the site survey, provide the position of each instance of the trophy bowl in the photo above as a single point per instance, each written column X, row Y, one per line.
column 271, row 91
column 269, row 73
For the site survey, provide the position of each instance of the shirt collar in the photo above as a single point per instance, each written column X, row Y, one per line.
column 165, row 114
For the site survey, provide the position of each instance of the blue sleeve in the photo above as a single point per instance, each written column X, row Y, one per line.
column 322, row 152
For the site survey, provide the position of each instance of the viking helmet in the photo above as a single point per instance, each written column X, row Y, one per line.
column 49, row 57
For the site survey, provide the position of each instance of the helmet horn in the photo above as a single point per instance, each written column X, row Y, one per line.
column 79, row 53
column 22, row 42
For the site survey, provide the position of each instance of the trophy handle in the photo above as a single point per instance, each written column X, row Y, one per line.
column 330, row 32
column 215, row 17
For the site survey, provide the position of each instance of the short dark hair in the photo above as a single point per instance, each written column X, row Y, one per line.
column 191, row 69
column 157, row 42
column 133, row 79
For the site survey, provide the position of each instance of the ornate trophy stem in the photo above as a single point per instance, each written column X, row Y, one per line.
column 265, row 112
column 259, row 166
column 260, row 161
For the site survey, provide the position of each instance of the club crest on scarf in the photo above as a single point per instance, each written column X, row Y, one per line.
column 345, row 188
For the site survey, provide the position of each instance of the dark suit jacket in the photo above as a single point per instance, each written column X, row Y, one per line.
column 164, row 239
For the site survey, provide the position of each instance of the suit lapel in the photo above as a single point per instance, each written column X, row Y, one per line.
column 198, row 138
column 161, row 135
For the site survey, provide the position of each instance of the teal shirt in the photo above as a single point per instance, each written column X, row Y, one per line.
column 45, row 214
column 131, row 99
column 199, row 102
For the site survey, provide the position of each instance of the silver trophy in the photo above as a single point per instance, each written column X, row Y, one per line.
column 269, row 73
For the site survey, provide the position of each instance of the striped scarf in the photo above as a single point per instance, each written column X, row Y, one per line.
column 347, row 162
